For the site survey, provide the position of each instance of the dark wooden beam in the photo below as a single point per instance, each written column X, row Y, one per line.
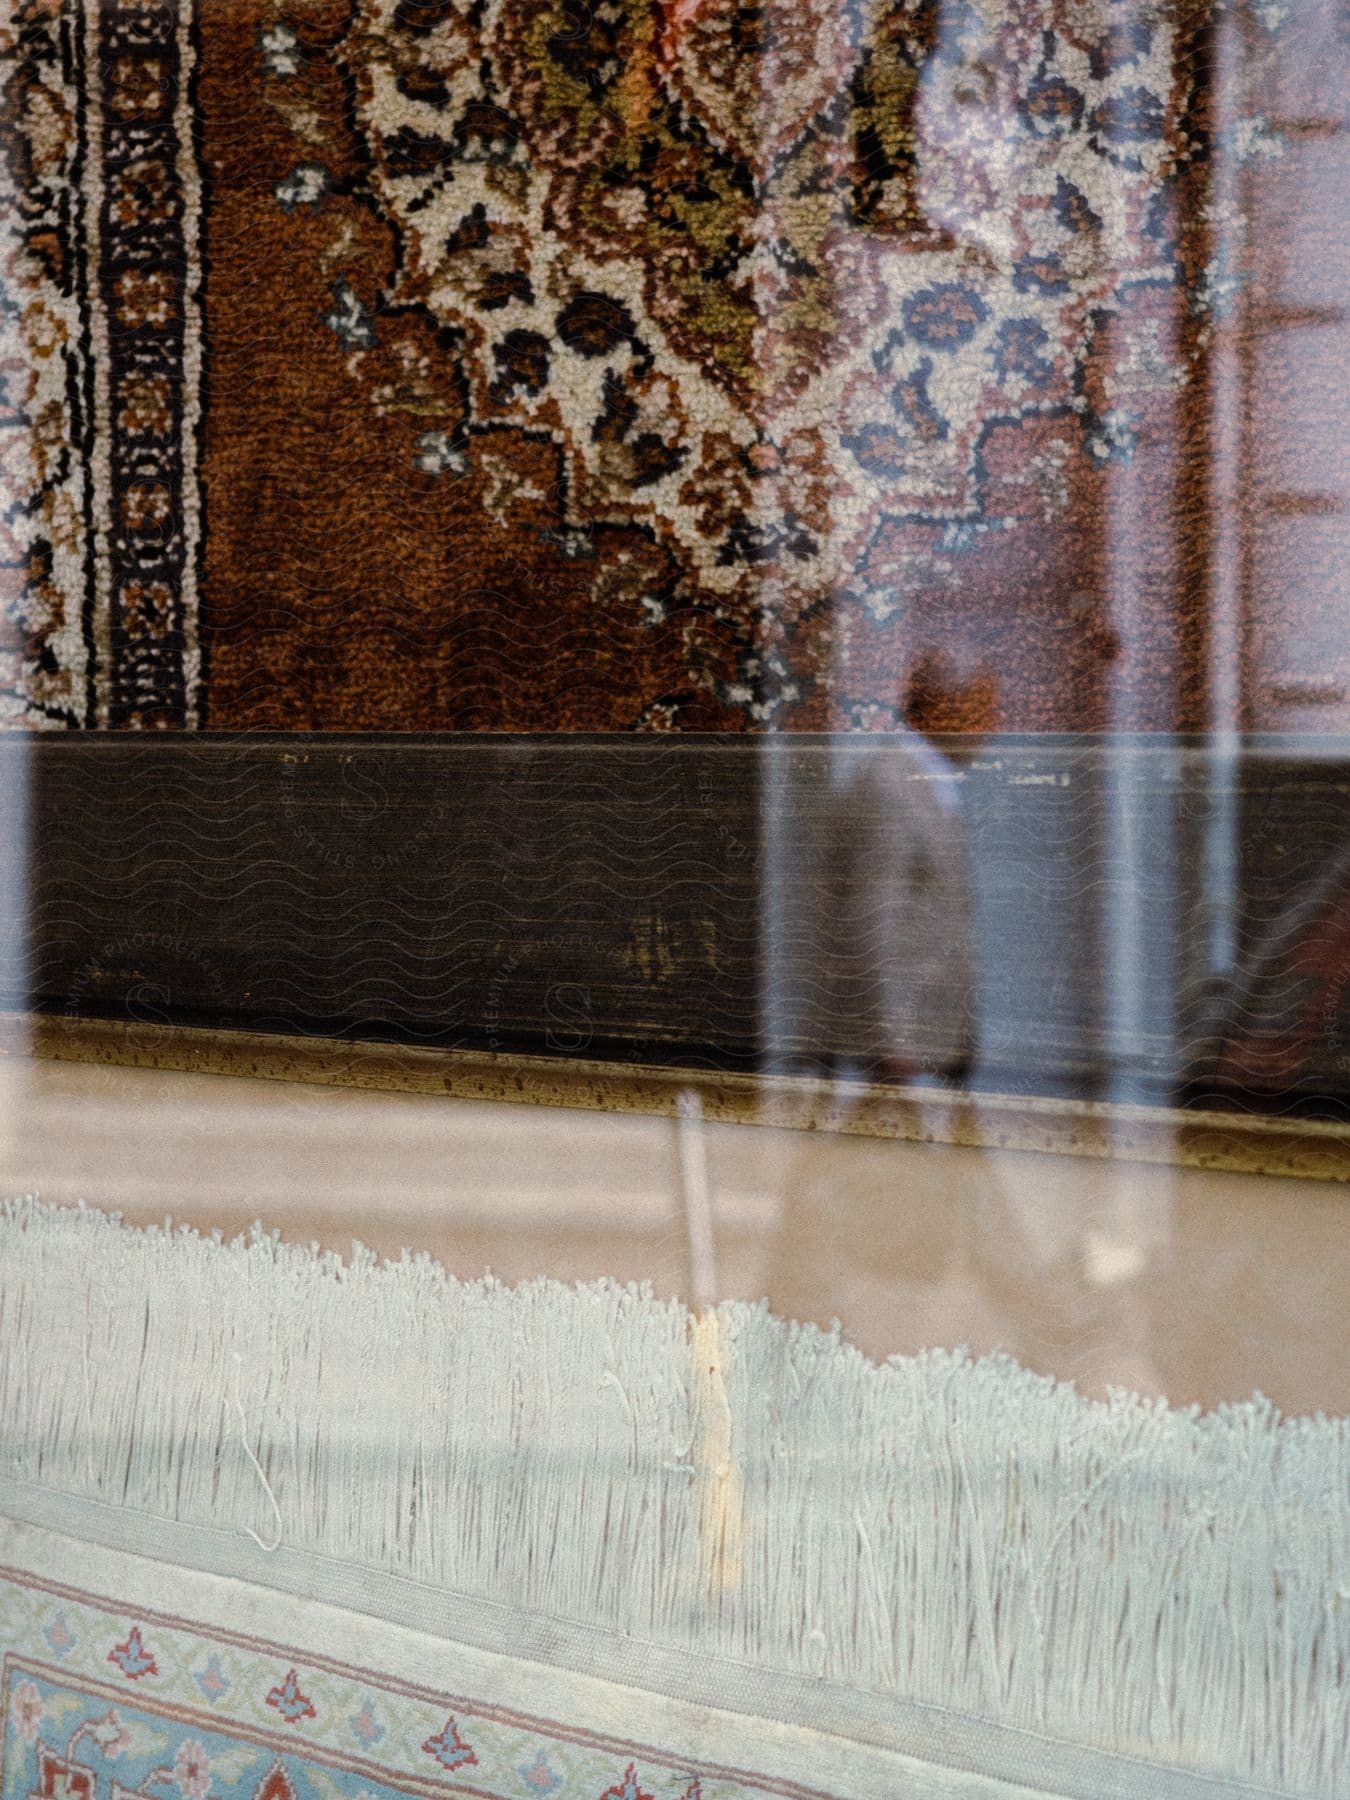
column 714, row 902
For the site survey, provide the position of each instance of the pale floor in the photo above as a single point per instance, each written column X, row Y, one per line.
column 1204, row 1286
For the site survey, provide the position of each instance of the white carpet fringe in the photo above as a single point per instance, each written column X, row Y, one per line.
column 1163, row 1583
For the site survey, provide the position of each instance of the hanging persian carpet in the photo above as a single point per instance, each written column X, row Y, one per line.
column 278, row 1527
column 624, row 364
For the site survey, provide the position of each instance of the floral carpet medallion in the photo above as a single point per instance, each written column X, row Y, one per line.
column 635, row 363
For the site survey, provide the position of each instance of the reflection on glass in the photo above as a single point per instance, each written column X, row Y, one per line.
column 914, row 431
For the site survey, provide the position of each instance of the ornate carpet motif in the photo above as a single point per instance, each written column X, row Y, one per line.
column 99, row 360
column 111, row 1705
column 638, row 364
column 162, row 1685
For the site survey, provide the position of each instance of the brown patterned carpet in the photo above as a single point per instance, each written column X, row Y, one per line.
column 643, row 364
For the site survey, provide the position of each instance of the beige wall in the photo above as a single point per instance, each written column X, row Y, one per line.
column 1199, row 1284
